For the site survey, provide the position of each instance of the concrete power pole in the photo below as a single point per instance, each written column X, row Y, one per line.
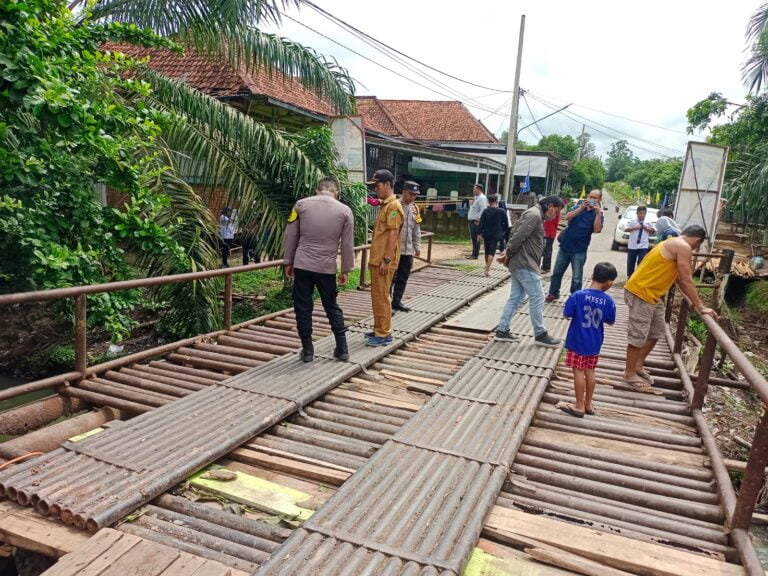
column 509, row 176
column 580, row 151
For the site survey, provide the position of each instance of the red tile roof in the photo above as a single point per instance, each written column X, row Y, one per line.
column 425, row 120
column 222, row 80
column 421, row 120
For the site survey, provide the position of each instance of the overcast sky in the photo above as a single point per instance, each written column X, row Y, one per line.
column 646, row 61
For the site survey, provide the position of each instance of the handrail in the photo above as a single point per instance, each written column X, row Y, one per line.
column 79, row 293
column 738, row 508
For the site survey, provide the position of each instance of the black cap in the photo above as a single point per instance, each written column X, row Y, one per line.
column 381, row 176
column 411, row 186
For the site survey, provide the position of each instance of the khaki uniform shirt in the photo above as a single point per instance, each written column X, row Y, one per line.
column 390, row 217
column 315, row 228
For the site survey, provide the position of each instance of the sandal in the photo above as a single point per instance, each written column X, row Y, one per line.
column 568, row 409
column 645, row 376
column 641, row 386
column 590, row 412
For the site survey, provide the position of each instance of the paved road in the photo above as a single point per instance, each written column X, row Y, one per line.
column 600, row 247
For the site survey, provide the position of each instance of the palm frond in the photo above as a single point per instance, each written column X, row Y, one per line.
column 754, row 71
column 171, row 17
column 262, row 171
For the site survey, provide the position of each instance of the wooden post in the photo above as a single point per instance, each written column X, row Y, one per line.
column 725, row 269
column 363, row 269
column 227, row 301
column 670, row 304
column 429, row 249
column 753, row 476
column 702, row 382
column 81, row 336
column 682, row 321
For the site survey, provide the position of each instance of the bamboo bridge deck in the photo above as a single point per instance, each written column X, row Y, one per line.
column 441, row 455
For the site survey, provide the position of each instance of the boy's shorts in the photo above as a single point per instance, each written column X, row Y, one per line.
column 580, row 362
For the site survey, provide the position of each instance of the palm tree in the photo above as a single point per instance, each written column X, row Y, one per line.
column 262, row 170
column 755, row 69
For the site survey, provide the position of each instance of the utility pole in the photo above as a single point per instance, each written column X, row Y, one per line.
column 581, row 143
column 509, row 176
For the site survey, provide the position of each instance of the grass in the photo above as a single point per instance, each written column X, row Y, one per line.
column 446, row 239
column 271, row 284
column 757, row 297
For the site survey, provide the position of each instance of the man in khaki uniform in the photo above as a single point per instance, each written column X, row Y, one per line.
column 385, row 256
column 317, row 227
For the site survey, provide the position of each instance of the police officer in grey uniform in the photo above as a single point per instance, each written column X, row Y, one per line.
column 316, row 227
column 410, row 243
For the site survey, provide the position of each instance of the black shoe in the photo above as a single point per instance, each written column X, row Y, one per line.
column 307, row 354
column 505, row 336
column 342, row 351
column 398, row 306
column 544, row 339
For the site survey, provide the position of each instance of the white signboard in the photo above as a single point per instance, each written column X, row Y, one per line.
column 349, row 139
column 701, row 182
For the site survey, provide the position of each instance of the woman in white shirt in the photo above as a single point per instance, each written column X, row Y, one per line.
column 227, row 231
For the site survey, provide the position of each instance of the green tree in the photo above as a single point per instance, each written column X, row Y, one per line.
column 565, row 146
column 655, row 176
column 588, row 173
column 619, row 162
column 755, row 69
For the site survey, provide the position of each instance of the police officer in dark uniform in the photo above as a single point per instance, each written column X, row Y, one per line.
column 316, row 227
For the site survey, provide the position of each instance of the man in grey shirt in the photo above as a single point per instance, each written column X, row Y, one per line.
column 522, row 257
column 316, row 227
column 475, row 211
column 410, row 243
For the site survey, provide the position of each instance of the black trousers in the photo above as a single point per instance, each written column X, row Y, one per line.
column 474, row 228
column 401, row 278
column 304, row 284
column 546, row 257
column 226, row 247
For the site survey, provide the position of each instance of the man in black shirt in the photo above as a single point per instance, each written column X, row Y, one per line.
column 493, row 227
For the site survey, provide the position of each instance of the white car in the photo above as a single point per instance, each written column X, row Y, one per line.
column 621, row 238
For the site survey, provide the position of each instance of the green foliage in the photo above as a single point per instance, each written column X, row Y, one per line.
column 620, row 161
column 757, row 296
column 65, row 126
column 621, row 192
column 755, row 69
column 697, row 327
column 565, row 146
column 701, row 114
column 656, row 176
column 588, row 172
column 54, row 358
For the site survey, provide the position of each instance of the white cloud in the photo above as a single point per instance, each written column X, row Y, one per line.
column 649, row 61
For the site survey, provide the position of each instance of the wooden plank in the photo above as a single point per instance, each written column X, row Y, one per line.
column 380, row 399
column 98, row 563
column 407, row 378
column 82, row 556
column 302, row 469
column 212, row 568
column 144, row 559
column 624, row 448
column 263, row 495
column 506, row 560
column 612, row 550
column 184, row 565
column 483, row 315
column 25, row 528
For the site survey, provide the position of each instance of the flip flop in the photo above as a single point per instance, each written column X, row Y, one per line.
column 589, row 412
column 645, row 376
column 568, row 409
column 639, row 386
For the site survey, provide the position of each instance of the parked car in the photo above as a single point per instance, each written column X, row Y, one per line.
column 621, row 238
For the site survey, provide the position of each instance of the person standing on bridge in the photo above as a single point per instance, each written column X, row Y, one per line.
column 410, row 244
column 385, row 256
column 667, row 263
column 585, row 219
column 494, row 226
column 316, row 227
column 522, row 257
column 475, row 211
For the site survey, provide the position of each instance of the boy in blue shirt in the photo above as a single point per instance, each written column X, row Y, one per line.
column 589, row 310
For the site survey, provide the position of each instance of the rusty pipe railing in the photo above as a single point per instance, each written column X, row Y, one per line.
column 80, row 294
column 738, row 508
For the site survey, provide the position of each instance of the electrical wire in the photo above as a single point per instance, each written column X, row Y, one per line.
column 349, row 26
column 533, row 118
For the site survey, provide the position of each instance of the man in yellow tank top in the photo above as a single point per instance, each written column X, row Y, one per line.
column 667, row 263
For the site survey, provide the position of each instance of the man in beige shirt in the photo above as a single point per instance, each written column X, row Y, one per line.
column 316, row 227
column 385, row 256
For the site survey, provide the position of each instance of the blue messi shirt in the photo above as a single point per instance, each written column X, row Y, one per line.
column 589, row 310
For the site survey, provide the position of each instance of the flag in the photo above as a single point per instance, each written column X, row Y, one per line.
column 658, row 197
column 583, row 192
column 648, row 200
column 526, row 185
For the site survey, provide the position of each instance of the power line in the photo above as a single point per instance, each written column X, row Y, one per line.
column 618, row 116
column 347, row 25
column 533, row 118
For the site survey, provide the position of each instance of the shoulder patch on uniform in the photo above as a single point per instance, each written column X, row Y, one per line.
column 393, row 213
column 293, row 216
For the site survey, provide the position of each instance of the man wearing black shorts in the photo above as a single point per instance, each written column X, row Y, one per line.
column 493, row 227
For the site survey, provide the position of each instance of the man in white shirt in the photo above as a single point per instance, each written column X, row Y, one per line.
column 639, row 239
column 475, row 211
